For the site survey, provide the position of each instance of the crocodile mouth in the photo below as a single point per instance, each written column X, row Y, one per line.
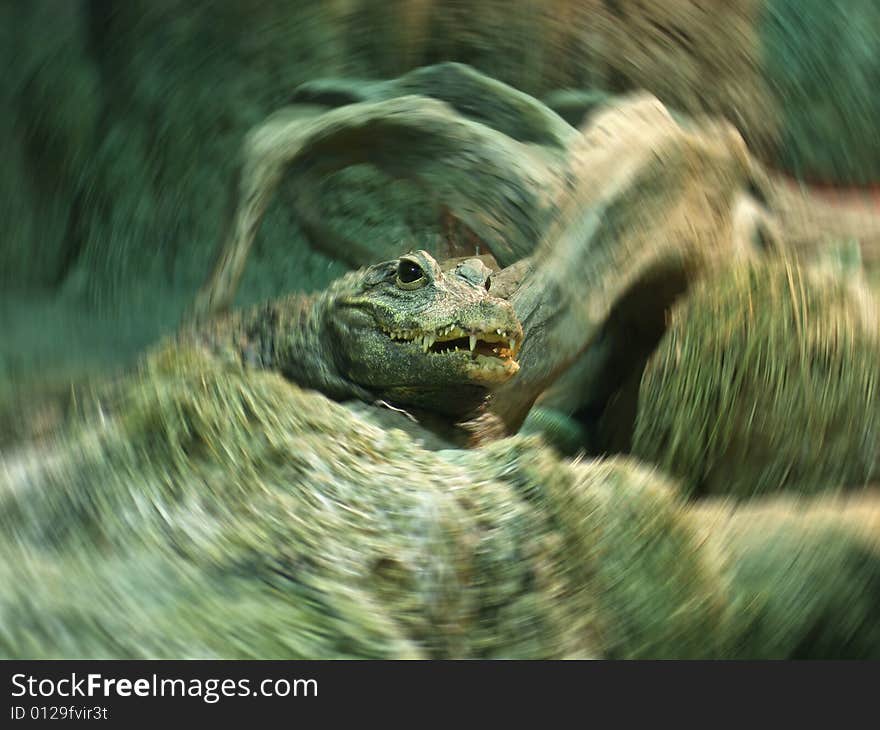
column 485, row 355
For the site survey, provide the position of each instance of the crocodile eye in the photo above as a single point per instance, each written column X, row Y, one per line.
column 488, row 283
column 409, row 274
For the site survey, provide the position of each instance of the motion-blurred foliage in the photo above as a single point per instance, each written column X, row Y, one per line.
column 767, row 379
column 198, row 510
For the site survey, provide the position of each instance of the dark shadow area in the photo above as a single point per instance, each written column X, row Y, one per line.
column 628, row 338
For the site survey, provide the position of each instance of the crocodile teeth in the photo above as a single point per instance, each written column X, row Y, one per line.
column 427, row 341
column 473, row 342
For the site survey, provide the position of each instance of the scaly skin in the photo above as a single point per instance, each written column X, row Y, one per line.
column 438, row 342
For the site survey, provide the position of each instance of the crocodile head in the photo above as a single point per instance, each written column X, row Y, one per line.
column 414, row 334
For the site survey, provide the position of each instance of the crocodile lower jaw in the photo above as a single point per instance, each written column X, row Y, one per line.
column 491, row 370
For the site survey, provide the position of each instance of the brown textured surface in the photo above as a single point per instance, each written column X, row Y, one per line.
column 694, row 56
column 813, row 219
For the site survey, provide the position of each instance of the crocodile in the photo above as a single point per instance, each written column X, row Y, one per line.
column 403, row 332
